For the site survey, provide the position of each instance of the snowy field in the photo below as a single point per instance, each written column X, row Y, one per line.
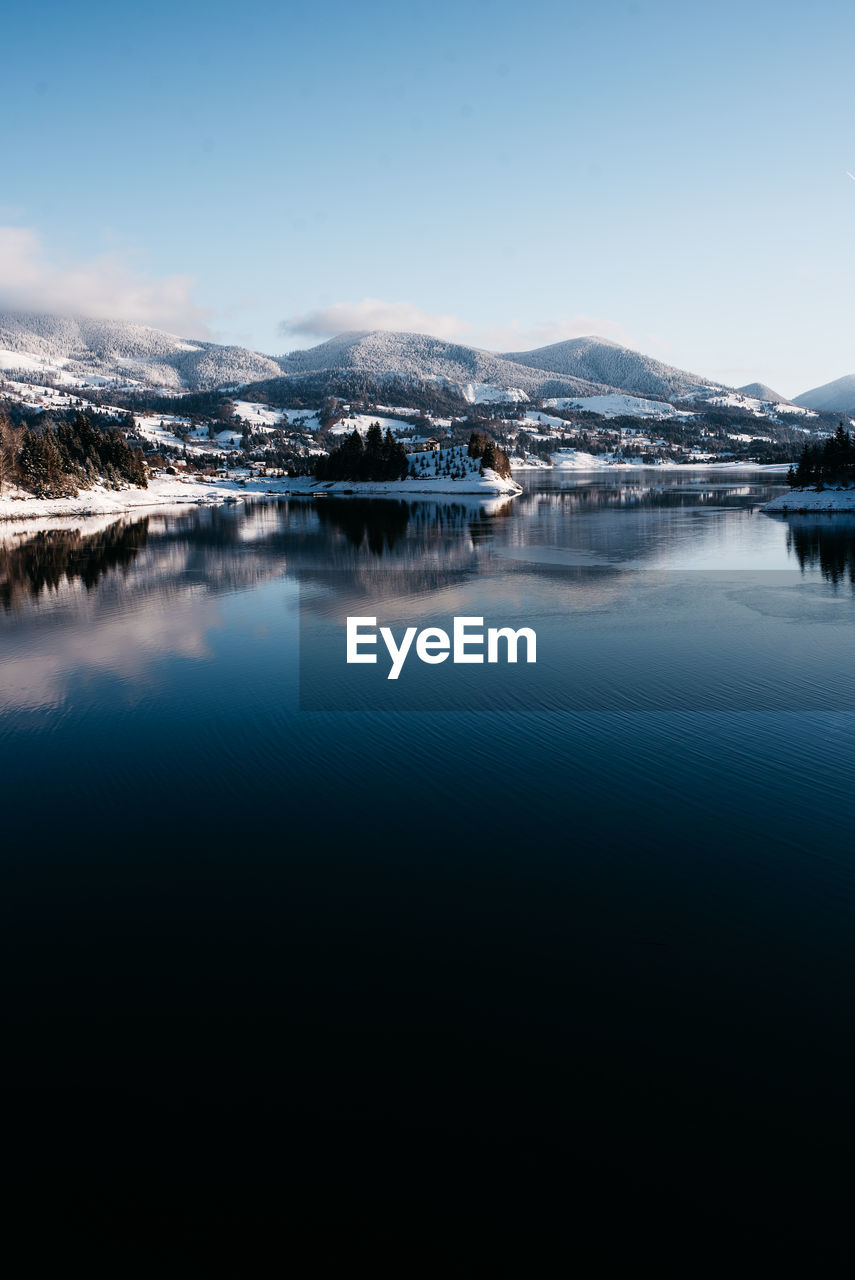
column 257, row 415
column 207, row 491
column 99, row 500
column 614, row 406
column 759, row 408
column 808, row 500
column 488, row 393
column 538, row 419
column 578, row 460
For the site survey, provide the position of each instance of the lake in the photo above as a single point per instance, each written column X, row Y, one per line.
column 519, row 942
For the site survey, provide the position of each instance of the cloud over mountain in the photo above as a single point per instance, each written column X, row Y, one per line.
column 371, row 314
column 103, row 287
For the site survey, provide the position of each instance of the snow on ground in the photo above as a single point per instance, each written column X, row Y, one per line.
column 209, row 490
column 39, row 397
column 159, row 428
column 163, row 429
column 487, row 393
column 760, row 408
column 258, row 415
column 394, row 410
column 615, row 405
column 475, row 482
column 578, row 460
column 544, row 419
column 450, row 470
column 162, row 490
column 54, row 373
column 804, row 500
column 301, row 420
column 23, row 360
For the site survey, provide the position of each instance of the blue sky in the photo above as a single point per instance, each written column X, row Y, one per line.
column 673, row 176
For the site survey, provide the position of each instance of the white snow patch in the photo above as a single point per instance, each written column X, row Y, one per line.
column 616, row 405
column 799, row 500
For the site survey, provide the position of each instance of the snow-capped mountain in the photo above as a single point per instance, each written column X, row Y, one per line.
column 74, row 351
column 832, row 397
column 760, row 391
column 99, row 349
column 614, row 366
column 478, row 374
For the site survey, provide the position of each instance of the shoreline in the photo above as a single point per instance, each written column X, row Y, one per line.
column 812, row 502
column 164, row 491
column 486, row 488
column 586, row 466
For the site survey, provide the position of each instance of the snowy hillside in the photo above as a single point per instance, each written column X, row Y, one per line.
column 758, row 408
column 832, row 397
column 589, row 373
column 480, row 375
column 616, row 405
column 808, row 501
column 613, row 366
column 99, row 350
column 449, row 470
column 760, row 391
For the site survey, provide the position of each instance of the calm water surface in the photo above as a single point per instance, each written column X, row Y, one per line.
column 489, row 938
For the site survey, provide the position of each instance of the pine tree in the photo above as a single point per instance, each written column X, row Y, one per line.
column 10, row 450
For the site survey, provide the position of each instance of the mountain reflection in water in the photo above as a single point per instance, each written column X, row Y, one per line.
column 536, row 949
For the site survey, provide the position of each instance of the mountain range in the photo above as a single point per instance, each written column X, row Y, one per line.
column 834, row 397
column 415, row 356
column 97, row 350
column 113, row 349
column 79, row 348
column 614, row 366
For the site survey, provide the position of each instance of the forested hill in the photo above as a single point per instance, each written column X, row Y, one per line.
column 55, row 459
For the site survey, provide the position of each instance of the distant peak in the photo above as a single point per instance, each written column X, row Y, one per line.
column 760, row 391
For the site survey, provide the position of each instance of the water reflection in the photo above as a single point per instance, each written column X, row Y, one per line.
column 119, row 594
column 50, row 557
column 557, row 524
column 631, row 515
column 827, row 544
column 379, row 524
column 218, row 891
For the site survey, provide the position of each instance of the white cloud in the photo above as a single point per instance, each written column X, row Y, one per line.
column 374, row 313
column 520, row 337
column 104, row 287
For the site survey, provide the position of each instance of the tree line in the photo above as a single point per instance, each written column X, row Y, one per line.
column 493, row 458
column 54, row 460
column 832, row 462
column 380, row 457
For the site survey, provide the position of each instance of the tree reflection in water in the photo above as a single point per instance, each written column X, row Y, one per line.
column 362, row 520
column 828, row 545
column 54, row 556
column 380, row 524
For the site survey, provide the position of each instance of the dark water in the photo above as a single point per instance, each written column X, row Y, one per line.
column 521, row 948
